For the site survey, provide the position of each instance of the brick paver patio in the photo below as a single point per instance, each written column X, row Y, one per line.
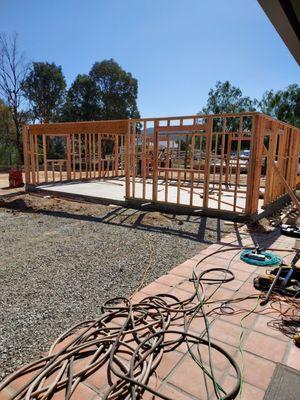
column 177, row 375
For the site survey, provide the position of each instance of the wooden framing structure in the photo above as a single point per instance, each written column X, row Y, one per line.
column 230, row 163
column 91, row 151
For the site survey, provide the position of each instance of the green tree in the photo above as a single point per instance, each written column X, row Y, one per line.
column 282, row 104
column 226, row 98
column 81, row 101
column 116, row 91
column 45, row 89
column 7, row 129
column 8, row 148
column 13, row 72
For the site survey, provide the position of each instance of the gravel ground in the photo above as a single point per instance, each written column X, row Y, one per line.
column 61, row 260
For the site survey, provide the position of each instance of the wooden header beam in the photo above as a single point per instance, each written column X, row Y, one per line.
column 197, row 116
column 111, row 127
column 182, row 128
column 207, row 116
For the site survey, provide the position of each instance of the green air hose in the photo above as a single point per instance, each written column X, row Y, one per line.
column 270, row 258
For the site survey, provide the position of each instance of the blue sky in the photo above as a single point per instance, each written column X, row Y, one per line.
column 177, row 49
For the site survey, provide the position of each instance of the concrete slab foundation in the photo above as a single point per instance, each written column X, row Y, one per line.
column 114, row 190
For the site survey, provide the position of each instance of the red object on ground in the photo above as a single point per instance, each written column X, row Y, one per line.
column 15, row 178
